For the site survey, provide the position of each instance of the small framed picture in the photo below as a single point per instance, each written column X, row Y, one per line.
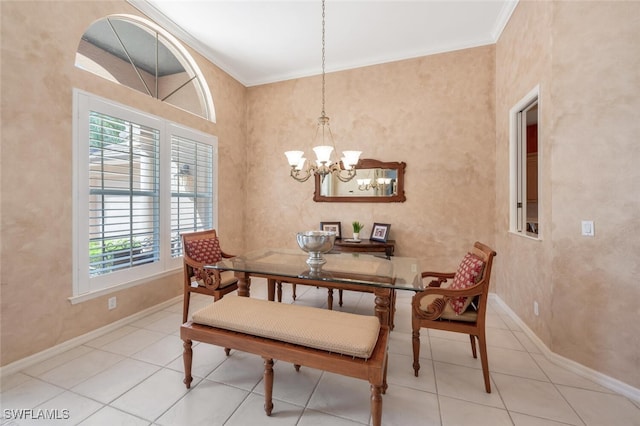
column 380, row 232
column 333, row 227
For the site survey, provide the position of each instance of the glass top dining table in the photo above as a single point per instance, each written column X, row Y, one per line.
column 343, row 271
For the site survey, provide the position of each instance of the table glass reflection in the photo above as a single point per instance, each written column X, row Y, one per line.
column 399, row 273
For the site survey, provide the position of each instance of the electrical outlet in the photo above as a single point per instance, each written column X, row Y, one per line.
column 587, row 228
column 112, row 303
column 536, row 310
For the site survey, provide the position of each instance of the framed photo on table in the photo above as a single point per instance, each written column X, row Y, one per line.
column 333, row 227
column 380, row 232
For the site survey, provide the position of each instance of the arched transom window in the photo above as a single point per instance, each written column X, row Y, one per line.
column 138, row 54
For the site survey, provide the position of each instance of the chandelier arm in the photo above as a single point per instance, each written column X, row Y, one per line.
column 350, row 175
column 296, row 175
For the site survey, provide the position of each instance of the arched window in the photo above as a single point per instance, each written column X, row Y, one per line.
column 138, row 54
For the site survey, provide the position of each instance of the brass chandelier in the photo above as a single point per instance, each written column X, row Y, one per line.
column 344, row 170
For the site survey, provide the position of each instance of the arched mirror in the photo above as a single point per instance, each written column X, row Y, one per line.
column 375, row 182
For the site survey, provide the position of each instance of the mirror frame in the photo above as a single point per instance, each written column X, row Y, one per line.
column 368, row 163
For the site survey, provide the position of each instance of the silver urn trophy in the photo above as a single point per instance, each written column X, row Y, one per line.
column 316, row 243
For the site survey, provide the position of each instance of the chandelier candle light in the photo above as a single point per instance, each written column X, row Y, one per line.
column 324, row 165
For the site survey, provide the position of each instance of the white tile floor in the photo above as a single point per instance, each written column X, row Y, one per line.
column 134, row 376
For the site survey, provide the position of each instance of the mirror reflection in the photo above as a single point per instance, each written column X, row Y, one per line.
column 367, row 183
column 375, row 181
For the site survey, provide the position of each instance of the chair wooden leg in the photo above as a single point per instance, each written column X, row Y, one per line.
column 415, row 340
column 279, row 291
column 340, row 296
column 293, row 288
column 330, row 299
column 185, row 306
column 187, row 358
column 268, row 386
column 473, row 345
column 485, row 362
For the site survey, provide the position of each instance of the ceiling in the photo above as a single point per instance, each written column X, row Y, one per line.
column 264, row 41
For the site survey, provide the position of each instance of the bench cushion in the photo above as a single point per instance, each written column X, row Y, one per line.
column 333, row 331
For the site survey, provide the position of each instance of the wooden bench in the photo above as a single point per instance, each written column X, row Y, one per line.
column 338, row 342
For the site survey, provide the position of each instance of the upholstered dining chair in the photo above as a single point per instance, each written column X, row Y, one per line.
column 199, row 249
column 459, row 305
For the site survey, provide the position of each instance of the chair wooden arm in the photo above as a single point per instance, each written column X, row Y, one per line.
column 210, row 277
column 227, row 255
column 475, row 290
column 436, row 307
column 441, row 277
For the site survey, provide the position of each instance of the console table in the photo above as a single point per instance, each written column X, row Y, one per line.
column 365, row 246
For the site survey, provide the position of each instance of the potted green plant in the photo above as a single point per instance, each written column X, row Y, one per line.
column 357, row 227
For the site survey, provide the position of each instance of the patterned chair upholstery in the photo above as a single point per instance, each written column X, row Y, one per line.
column 200, row 249
column 459, row 306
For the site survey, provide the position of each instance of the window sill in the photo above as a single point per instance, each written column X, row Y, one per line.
column 525, row 235
column 102, row 292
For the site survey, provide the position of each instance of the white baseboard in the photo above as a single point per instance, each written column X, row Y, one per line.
column 36, row 358
column 586, row 372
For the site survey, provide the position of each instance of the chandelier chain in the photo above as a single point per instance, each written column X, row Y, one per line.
column 323, row 59
column 324, row 165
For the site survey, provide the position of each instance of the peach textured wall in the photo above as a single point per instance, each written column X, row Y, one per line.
column 596, row 176
column 444, row 115
column 587, row 287
column 435, row 113
column 39, row 41
column 522, row 62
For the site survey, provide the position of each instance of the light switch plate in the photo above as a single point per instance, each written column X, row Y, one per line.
column 587, row 228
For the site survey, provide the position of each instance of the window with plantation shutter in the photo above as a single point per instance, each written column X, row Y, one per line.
column 191, row 189
column 139, row 182
column 124, row 196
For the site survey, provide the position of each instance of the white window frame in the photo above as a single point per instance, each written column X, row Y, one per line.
column 518, row 167
column 84, row 286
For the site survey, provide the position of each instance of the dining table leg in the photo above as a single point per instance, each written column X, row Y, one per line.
column 383, row 303
column 244, row 284
column 271, row 290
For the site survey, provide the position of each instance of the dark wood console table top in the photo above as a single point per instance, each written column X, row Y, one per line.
column 344, row 245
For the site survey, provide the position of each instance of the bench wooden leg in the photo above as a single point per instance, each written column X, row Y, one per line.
column 268, row 385
column 376, row 405
column 187, row 357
